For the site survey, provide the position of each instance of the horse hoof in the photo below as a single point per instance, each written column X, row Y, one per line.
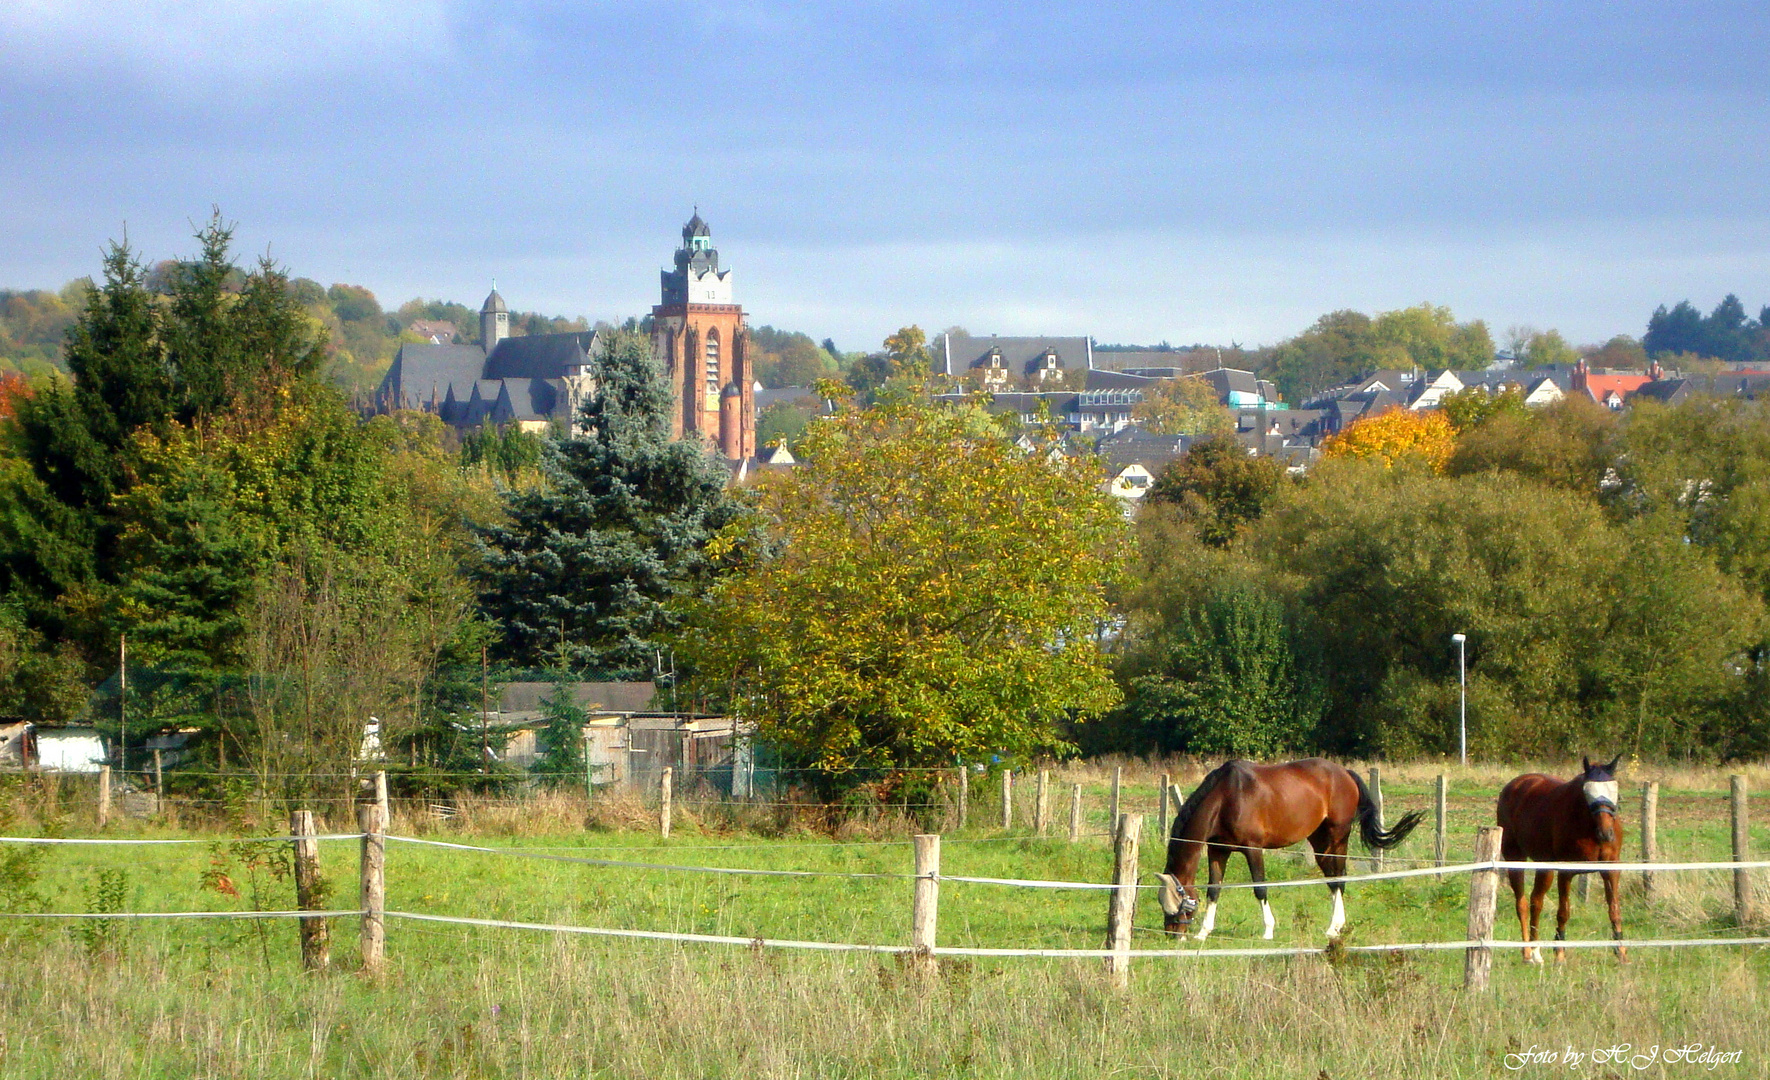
column 1533, row 958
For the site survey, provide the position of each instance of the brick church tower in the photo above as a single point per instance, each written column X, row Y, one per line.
column 699, row 340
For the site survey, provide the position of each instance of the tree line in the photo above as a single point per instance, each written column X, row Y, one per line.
column 929, row 587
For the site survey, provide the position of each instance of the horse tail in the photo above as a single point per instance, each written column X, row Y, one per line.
column 1375, row 837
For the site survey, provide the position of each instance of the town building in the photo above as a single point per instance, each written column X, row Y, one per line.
column 535, row 382
column 700, row 341
column 539, row 382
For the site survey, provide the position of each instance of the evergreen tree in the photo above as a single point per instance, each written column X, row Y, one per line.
column 584, row 573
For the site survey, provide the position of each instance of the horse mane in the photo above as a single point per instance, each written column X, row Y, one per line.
column 1183, row 816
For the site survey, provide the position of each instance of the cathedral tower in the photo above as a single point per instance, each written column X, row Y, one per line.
column 699, row 340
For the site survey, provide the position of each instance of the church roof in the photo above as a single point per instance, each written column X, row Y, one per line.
column 695, row 227
column 540, row 356
column 494, row 304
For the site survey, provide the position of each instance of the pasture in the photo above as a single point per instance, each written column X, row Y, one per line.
column 180, row 998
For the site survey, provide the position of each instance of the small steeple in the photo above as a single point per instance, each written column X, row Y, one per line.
column 494, row 320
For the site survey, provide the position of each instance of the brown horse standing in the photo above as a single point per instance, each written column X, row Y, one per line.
column 1250, row 808
column 1551, row 820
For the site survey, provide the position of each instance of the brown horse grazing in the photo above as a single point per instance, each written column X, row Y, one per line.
column 1251, row 808
column 1550, row 820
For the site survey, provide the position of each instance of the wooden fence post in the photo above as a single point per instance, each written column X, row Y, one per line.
column 1376, row 787
column 159, row 781
column 1649, row 831
column 1161, row 821
column 1122, row 903
column 1742, row 841
column 590, row 774
column 1118, row 777
column 664, row 784
column 104, row 795
column 1042, row 805
column 316, row 933
column 925, row 908
column 1075, row 813
column 964, row 797
column 1440, row 802
column 1007, row 799
column 1483, row 887
column 372, row 823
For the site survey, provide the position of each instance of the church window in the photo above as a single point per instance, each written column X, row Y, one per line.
column 713, row 361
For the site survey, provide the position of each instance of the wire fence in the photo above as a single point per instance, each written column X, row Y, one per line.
column 1492, row 866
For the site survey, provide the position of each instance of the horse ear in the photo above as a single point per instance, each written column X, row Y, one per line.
column 1611, row 768
column 1585, row 764
column 1169, row 894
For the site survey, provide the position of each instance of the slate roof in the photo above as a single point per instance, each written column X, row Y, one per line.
column 956, row 354
column 523, row 379
column 1135, row 446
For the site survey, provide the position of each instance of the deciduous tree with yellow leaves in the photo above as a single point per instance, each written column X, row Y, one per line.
column 1395, row 436
column 928, row 592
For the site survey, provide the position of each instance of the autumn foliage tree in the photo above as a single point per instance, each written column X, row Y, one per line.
column 926, row 592
column 1396, row 436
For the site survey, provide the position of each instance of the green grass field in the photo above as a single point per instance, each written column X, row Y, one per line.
column 210, row 999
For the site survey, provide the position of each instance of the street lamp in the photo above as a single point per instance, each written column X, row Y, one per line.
column 1463, row 704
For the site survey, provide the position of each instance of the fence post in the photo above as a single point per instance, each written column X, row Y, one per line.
column 1376, row 786
column 1161, row 821
column 925, row 909
column 1042, row 805
column 381, row 799
column 1649, row 831
column 1007, row 799
column 964, row 797
column 1075, row 813
column 1118, row 776
column 1742, row 840
column 590, row 773
column 1122, row 902
column 104, row 795
column 316, row 933
column 1440, row 802
column 159, row 781
column 1483, row 885
column 371, row 821
column 664, row 785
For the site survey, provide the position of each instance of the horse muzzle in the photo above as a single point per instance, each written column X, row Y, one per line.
column 1178, row 905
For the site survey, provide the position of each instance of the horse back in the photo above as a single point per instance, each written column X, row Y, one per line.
column 1273, row 806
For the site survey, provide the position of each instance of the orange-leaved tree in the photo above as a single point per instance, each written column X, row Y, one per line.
column 1396, row 435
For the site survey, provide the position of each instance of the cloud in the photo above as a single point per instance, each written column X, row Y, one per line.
column 180, row 46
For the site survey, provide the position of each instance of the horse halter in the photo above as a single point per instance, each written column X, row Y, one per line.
column 1600, row 795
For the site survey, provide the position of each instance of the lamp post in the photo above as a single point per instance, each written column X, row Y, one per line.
column 1463, row 702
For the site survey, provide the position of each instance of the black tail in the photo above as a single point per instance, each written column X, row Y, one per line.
column 1376, row 838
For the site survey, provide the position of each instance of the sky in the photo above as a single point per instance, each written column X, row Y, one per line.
column 1190, row 173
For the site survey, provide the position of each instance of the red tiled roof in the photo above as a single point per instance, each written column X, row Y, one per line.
column 1600, row 386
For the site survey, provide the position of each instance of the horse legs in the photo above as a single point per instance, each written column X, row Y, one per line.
column 1562, row 911
column 1218, row 857
column 1613, row 900
column 1330, row 855
column 1257, row 870
column 1544, row 878
column 1515, row 878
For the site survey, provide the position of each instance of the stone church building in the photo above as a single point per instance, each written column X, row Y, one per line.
column 538, row 382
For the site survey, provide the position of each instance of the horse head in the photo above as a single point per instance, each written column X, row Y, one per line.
column 1179, row 903
column 1598, row 782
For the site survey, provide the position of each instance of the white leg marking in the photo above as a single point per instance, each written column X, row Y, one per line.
column 1204, row 930
column 1266, row 911
column 1339, row 920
